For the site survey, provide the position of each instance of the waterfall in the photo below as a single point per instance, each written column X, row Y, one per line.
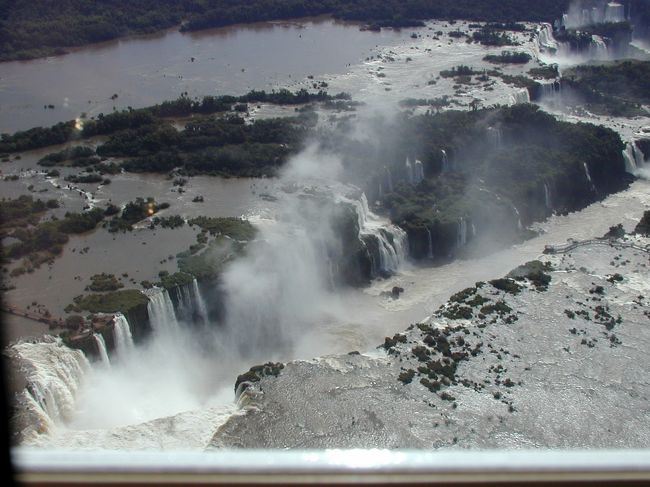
column 430, row 252
column 410, row 176
column 614, row 12
column 634, row 157
column 445, row 161
column 461, row 233
column 122, row 335
column 419, row 172
column 161, row 311
column 588, row 176
column 389, row 180
column 547, row 197
column 200, row 307
column 54, row 374
column 516, row 211
column 473, row 230
column 494, row 134
column 101, row 348
column 391, row 241
column 598, row 48
column 520, row 96
column 545, row 39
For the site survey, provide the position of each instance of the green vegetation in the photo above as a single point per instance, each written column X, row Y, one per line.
column 41, row 28
column 235, row 228
column 534, row 271
column 256, row 373
column 79, row 156
column 508, row 57
column 544, row 72
column 460, row 70
column 489, row 37
column 104, row 283
column 169, row 281
column 536, row 150
column 136, row 211
column 145, row 133
column 42, row 242
column 21, row 212
column 407, row 376
column 121, row 301
column 618, row 88
column 507, row 285
column 37, row 137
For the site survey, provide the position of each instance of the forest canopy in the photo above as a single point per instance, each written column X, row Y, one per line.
column 36, row 28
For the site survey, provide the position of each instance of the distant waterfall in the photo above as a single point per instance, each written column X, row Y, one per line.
column 445, row 161
column 201, row 308
column 461, row 233
column 516, row 211
column 101, row 348
column 191, row 306
column 161, row 311
column 550, row 93
column 414, row 171
column 410, row 175
column 634, row 157
column 545, row 39
column 430, row 251
column 588, row 176
column 419, row 171
column 391, row 241
column 598, row 48
column 122, row 335
column 520, row 96
column 54, row 374
column 547, row 197
column 494, row 134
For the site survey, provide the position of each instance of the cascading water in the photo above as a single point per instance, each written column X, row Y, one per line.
column 520, row 96
column 588, row 176
column 101, row 348
column 445, row 161
column 122, row 335
column 54, row 374
column 430, row 251
column 516, row 211
column 494, row 134
column 461, row 234
column 392, row 240
column 161, row 311
column 545, row 39
column 598, row 48
column 201, row 308
column 191, row 306
column 419, row 171
column 547, row 197
column 633, row 157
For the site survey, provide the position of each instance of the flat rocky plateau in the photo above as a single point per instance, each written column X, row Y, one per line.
column 510, row 363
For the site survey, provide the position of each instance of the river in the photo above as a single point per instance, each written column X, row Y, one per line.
column 167, row 400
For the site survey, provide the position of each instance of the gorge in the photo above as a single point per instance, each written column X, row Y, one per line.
column 359, row 215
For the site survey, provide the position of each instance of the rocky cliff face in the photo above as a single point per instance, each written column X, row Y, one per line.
column 552, row 356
